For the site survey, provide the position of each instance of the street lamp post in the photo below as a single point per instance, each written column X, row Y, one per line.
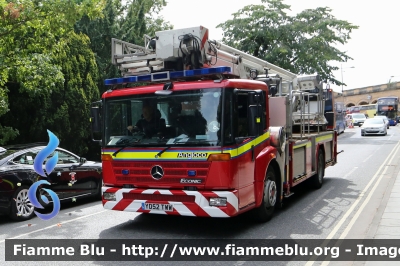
column 341, row 69
column 390, row 84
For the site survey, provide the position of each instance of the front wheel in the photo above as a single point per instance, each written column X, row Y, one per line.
column 21, row 207
column 270, row 198
column 318, row 178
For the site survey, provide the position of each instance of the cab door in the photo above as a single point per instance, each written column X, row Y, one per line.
column 245, row 162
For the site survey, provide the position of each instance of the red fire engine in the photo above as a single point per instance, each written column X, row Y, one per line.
column 227, row 133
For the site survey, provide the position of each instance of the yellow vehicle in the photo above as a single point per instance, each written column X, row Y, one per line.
column 369, row 110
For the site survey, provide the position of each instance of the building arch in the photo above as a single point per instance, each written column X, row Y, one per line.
column 363, row 103
column 350, row 104
column 374, row 101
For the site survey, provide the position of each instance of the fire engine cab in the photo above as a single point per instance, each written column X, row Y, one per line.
column 197, row 128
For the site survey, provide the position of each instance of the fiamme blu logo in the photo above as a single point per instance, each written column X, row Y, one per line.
column 49, row 166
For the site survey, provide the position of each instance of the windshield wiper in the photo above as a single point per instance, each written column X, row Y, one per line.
column 161, row 152
column 129, row 144
column 195, row 142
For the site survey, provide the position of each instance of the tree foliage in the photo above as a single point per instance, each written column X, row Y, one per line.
column 124, row 20
column 64, row 111
column 303, row 44
column 49, row 74
column 29, row 30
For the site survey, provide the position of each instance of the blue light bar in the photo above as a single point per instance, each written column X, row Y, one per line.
column 163, row 76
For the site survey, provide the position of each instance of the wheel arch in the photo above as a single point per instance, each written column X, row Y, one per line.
column 266, row 159
column 320, row 147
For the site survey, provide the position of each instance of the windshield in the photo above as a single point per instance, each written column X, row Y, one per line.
column 387, row 107
column 4, row 153
column 373, row 122
column 188, row 117
column 358, row 116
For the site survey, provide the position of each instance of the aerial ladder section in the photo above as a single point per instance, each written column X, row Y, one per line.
column 184, row 49
column 190, row 48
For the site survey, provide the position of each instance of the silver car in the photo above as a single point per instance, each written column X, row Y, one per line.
column 384, row 119
column 374, row 126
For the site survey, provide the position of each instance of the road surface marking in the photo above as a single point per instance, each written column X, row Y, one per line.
column 350, row 210
column 51, row 226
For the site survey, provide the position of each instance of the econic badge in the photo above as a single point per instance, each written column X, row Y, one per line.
column 50, row 165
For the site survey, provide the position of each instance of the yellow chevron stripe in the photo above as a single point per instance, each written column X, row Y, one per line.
column 175, row 155
column 246, row 147
column 307, row 144
column 326, row 137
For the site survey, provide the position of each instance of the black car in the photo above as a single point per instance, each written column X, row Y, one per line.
column 71, row 178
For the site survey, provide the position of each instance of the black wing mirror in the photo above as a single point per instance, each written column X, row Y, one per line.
column 82, row 160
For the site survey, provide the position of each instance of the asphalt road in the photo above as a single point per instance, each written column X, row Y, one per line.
column 345, row 207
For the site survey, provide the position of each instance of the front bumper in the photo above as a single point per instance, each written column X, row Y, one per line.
column 373, row 131
column 185, row 203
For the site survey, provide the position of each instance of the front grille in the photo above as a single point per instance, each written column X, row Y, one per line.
column 139, row 172
column 133, row 179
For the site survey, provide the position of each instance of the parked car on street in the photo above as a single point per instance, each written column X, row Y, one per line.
column 384, row 119
column 374, row 126
column 356, row 118
column 72, row 177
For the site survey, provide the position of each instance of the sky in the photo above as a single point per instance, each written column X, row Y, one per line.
column 374, row 46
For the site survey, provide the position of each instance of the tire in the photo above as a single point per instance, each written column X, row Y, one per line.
column 98, row 194
column 318, row 178
column 21, row 208
column 270, row 198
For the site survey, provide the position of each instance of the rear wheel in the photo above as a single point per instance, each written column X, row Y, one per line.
column 21, row 207
column 318, row 178
column 270, row 198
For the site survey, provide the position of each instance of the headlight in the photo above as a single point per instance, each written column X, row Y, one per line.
column 217, row 201
column 109, row 196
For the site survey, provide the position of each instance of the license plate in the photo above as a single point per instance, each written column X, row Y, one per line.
column 157, row 207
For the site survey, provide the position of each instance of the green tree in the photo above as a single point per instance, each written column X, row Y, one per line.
column 29, row 31
column 303, row 44
column 125, row 20
column 64, row 111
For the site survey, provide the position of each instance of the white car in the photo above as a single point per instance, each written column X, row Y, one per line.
column 384, row 119
column 357, row 118
column 374, row 126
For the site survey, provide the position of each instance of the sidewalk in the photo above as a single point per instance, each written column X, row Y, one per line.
column 389, row 224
